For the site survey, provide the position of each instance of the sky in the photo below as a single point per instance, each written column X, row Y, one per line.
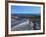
column 25, row 9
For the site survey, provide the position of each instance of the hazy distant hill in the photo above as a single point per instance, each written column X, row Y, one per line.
column 20, row 15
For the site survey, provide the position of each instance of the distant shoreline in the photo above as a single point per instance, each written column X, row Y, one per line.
column 25, row 14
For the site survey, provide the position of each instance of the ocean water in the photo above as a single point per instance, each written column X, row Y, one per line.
column 23, row 24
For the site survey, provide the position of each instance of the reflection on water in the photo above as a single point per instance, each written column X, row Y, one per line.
column 22, row 24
